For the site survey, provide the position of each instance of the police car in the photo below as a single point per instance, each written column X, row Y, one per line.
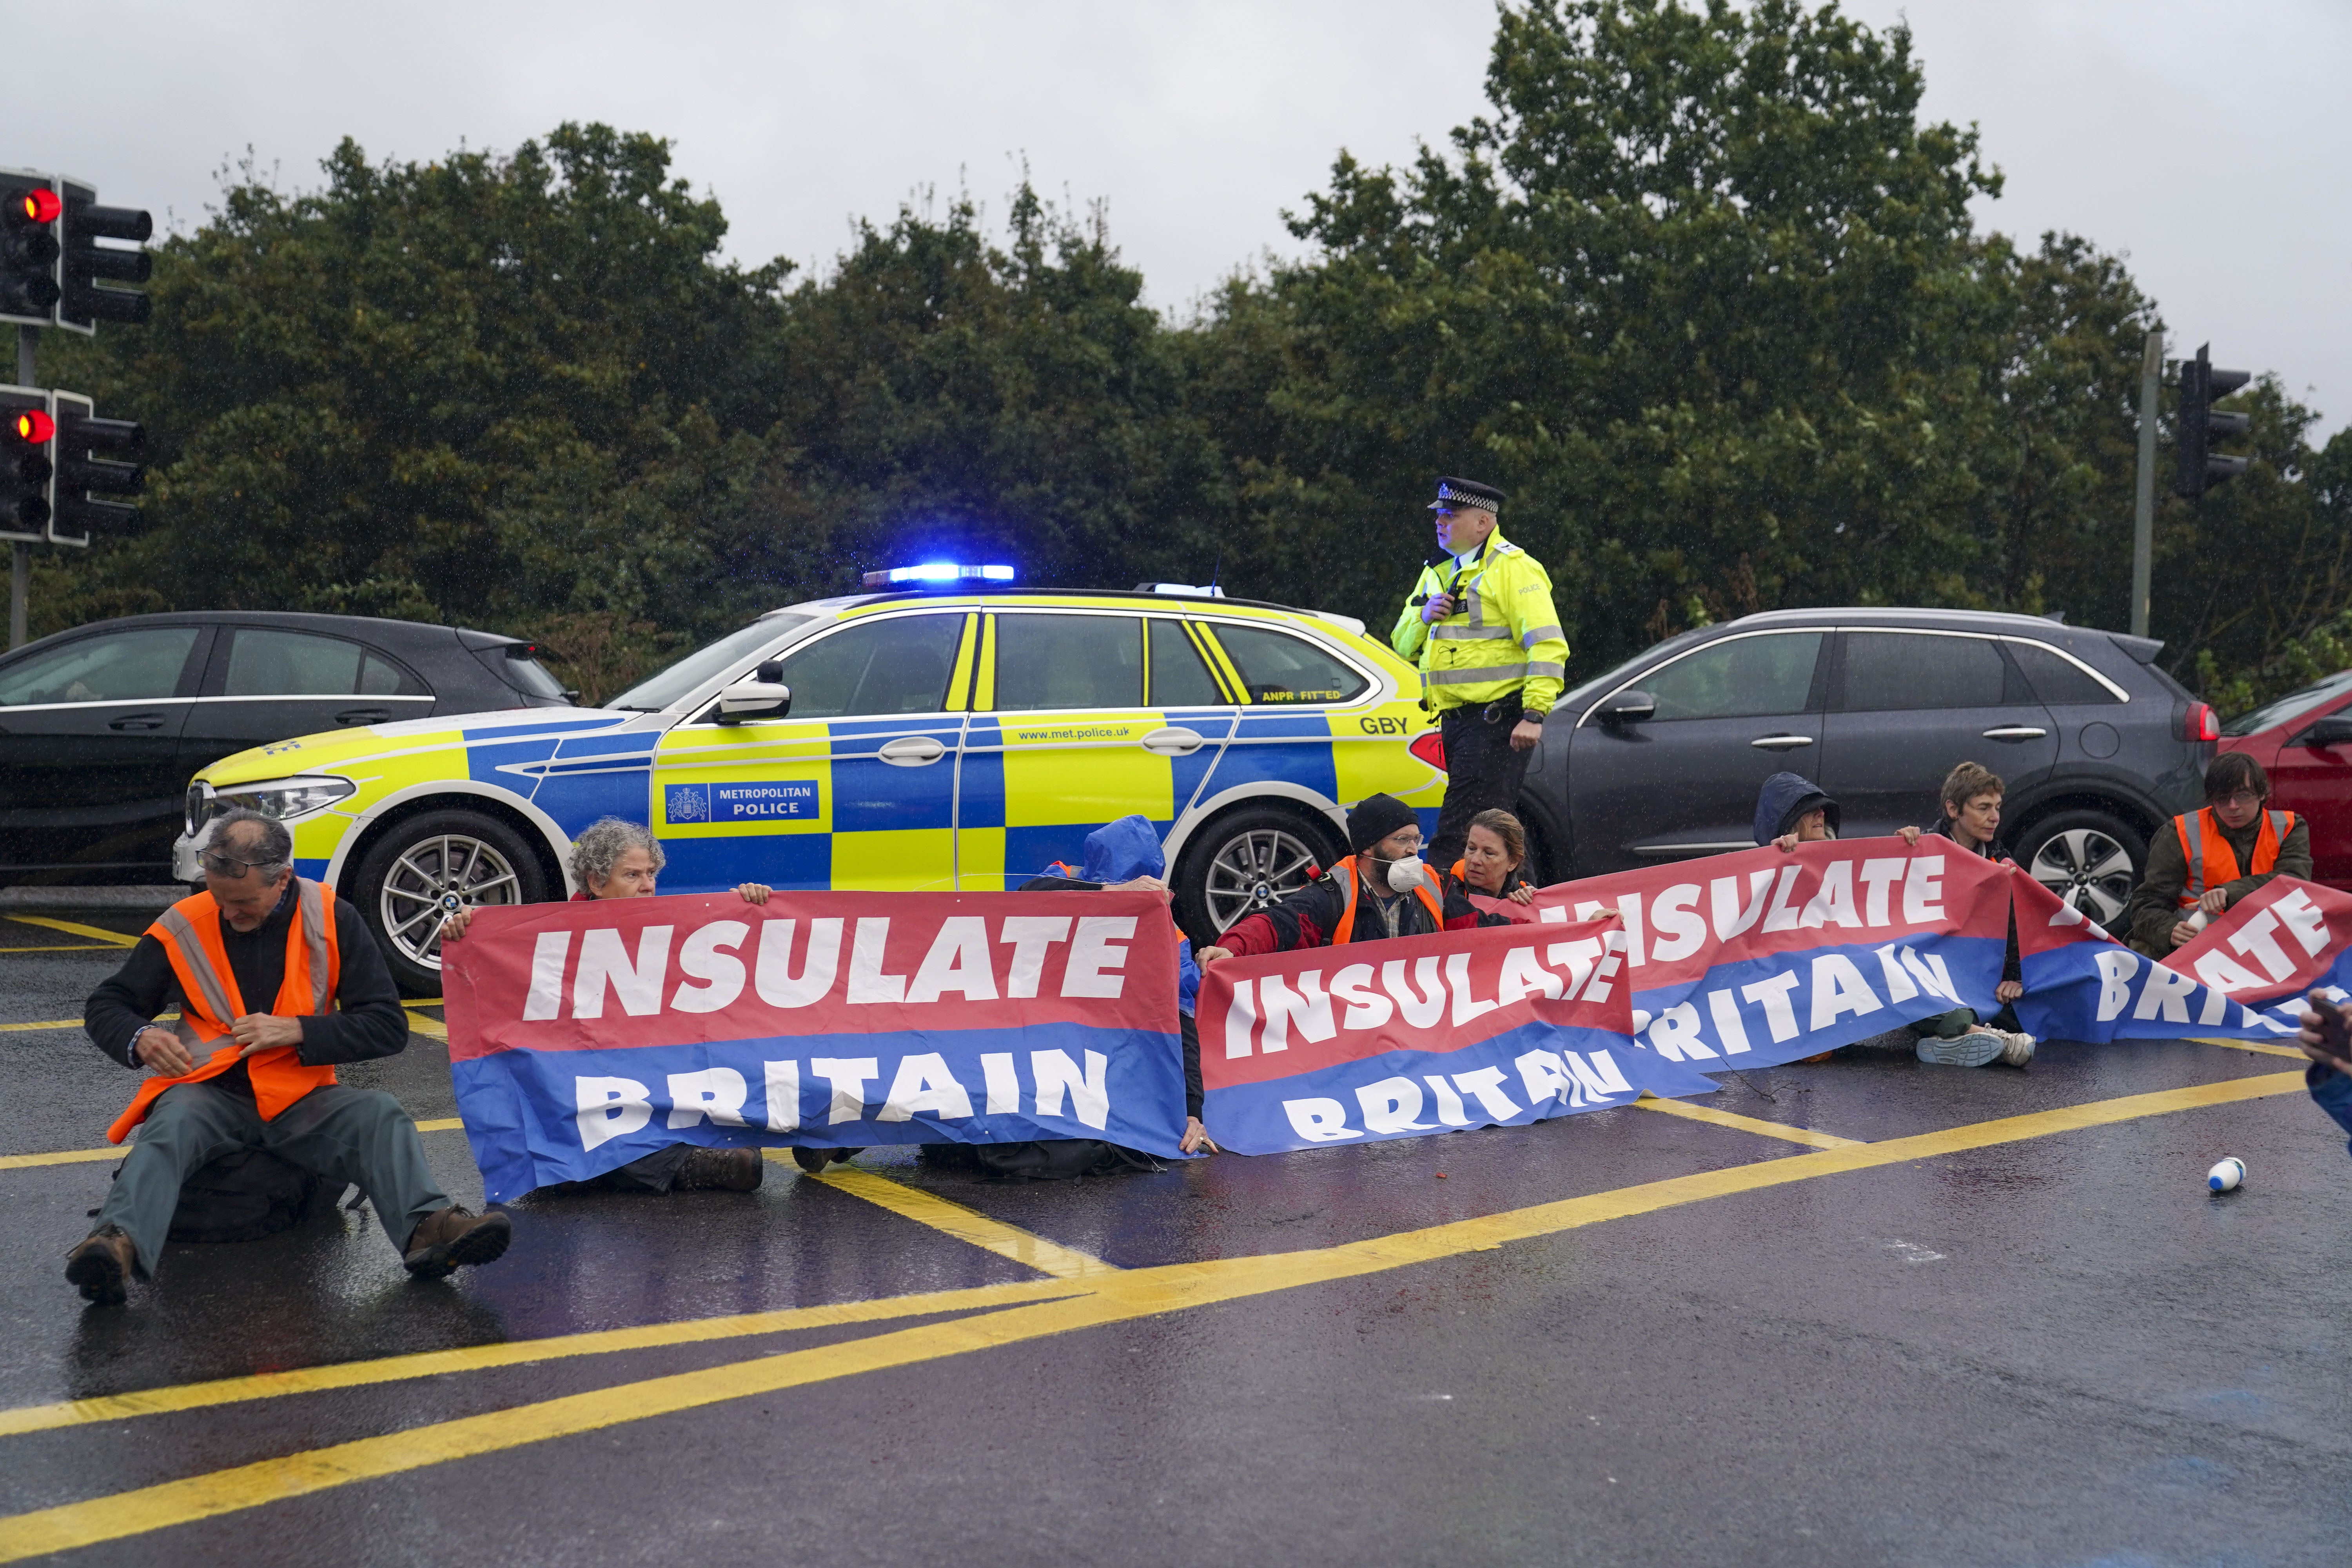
column 947, row 732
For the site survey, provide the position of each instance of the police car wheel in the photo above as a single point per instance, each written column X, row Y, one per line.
column 426, row 868
column 1245, row 861
column 2091, row 861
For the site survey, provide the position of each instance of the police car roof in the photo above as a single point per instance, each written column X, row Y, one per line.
column 1014, row 590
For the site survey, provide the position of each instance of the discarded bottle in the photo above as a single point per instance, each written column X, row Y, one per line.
column 2225, row 1176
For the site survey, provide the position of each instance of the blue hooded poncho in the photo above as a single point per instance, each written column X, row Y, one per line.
column 1784, row 798
column 1129, row 847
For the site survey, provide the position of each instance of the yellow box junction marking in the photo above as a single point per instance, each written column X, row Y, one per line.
column 2259, row 1049
column 1109, row 1298
column 969, row 1225
column 1708, row 1113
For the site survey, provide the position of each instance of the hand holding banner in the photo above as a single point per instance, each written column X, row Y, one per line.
column 583, row 1034
column 1418, row 1035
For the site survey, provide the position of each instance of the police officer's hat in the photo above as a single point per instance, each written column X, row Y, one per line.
column 1453, row 494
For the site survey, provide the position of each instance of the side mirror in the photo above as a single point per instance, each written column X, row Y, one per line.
column 755, row 699
column 2336, row 730
column 1629, row 708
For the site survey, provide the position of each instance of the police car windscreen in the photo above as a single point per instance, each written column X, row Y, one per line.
column 653, row 695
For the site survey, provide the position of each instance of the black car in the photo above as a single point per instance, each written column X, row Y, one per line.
column 101, row 726
column 1661, row 758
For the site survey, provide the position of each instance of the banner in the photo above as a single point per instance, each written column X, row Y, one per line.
column 1419, row 1035
column 1761, row 956
column 2242, row 978
column 585, row 1034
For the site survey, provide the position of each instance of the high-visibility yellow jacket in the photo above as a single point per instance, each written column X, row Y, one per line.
column 1503, row 636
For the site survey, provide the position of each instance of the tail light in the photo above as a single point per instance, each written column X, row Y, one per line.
column 1431, row 749
column 2199, row 724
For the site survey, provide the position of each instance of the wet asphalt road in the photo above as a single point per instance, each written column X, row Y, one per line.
column 2051, row 1351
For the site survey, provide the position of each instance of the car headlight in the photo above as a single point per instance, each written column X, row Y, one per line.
column 284, row 799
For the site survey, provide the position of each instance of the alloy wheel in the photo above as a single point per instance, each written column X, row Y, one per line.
column 1252, row 870
column 2088, row 870
column 435, row 877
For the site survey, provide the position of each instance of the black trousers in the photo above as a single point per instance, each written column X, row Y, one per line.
column 1482, row 773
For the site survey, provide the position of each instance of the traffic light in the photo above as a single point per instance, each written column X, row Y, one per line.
column 2200, row 468
column 82, row 303
column 27, row 441
column 80, row 439
column 29, row 210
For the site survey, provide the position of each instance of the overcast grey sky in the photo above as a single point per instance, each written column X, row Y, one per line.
column 1199, row 120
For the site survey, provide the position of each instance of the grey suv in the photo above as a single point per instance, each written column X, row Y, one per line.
column 1661, row 758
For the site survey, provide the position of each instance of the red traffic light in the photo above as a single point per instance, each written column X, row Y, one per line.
column 34, row 425
column 40, row 205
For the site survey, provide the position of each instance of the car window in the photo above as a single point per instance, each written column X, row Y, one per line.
column 1068, row 662
column 1276, row 667
column 1887, row 670
column 1179, row 679
column 2280, row 709
column 118, row 667
column 2055, row 680
column 869, row 667
column 264, row 663
column 1739, row 677
column 679, row 679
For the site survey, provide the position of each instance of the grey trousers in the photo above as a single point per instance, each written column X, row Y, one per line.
column 345, row 1135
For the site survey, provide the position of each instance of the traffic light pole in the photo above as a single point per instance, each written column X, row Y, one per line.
column 2151, row 383
column 20, row 556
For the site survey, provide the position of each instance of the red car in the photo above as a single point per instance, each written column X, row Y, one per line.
column 2304, row 741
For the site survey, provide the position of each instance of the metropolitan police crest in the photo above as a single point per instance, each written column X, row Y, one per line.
column 688, row 803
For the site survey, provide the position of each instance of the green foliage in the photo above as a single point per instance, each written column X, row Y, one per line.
column 1703, row 291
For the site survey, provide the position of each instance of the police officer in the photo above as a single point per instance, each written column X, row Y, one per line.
column 1481, row 623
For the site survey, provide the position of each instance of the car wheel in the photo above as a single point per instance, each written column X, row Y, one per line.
column 2091, row 861
column 429, row 864
column 1245, row 860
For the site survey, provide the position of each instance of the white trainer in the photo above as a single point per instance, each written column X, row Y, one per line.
column 2016, row 1049
column 1973, row 1049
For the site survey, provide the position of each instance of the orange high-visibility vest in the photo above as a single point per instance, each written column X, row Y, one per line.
column 190, row 932
column 1429, row 891
column 2213, row 863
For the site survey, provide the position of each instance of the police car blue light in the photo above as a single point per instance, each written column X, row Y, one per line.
column 938, row 571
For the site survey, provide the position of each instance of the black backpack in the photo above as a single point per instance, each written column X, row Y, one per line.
column 245, row 1194
column 1039, row 1158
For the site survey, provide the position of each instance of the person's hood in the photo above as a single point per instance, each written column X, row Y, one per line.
column 1122, row 851
column 1784, row 798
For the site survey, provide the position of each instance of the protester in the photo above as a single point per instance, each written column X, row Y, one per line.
column 1383, row 890
column 2327, row 1039
column 1481, row 625
column 2203, row 862
column 1124, row 856
column 1791, row 809
column 1493, row 858
column 258, row 931
column 618, row 859
column 1971, row 799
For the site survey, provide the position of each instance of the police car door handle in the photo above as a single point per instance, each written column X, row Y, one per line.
column 911, row 752
column 136, row 722
column 1780, row 742
column 2015, row 732
column 1172, row 742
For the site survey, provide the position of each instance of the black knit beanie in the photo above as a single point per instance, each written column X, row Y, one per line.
column 1373, row 818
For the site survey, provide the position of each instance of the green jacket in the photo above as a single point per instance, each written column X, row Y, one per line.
column 2155, row 906
column 1503, row 637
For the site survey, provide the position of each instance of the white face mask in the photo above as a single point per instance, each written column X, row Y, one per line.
column 1404, row 876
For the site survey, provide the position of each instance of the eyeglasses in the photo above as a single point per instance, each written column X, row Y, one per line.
column 221, row 863
column 2240, row 798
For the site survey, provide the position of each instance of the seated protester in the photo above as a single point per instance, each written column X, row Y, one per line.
column 1126, row 854
column 231, row 1076
column 1493, row 860
column 1383, row 890
column 1791, row 809
column 2327, row 1039
column 617, row 859
column 2201, row 864
column 1971, row 820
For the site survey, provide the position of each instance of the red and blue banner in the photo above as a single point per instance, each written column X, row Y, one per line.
column 1399, row 1038
column 1765, row 956
column 2243, row 977
column 585, row 1034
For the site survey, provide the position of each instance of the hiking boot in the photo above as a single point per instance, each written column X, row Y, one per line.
column 451, row 1238
column 815, row 1161
column 718, row 1169
column 1973, row 1049
column 101, row 1265
column 2016, row 1049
